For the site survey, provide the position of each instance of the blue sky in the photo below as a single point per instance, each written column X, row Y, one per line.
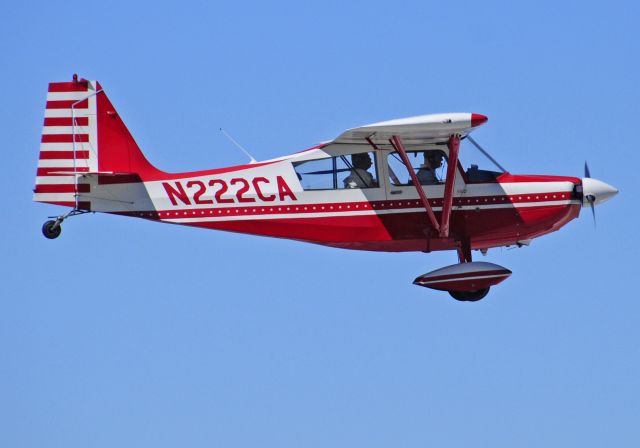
column 131, row 333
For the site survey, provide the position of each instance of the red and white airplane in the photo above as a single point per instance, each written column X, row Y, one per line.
column 393, row 186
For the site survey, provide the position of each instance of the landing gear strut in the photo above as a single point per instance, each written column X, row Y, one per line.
column 53, row 228
column 464, row 256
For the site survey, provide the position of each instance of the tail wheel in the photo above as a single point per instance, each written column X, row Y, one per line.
column 51, row 229
column 469, row 296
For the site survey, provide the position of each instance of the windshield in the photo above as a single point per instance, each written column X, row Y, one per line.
column 477, row 162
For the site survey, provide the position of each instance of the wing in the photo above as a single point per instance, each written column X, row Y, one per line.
column 423, row 129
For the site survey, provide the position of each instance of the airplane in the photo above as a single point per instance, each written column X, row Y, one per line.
column 393, row 186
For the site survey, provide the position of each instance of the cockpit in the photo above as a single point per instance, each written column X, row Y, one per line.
column 358, row 169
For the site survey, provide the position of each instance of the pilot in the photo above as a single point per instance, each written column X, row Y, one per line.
column 360, row 177
column 427, row 172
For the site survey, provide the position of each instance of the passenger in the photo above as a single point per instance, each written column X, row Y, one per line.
column 427, row 172
column 360, row 177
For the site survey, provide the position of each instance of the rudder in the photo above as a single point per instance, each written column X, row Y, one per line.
column 82, row 134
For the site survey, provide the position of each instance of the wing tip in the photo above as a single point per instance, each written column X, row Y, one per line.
column 478, row 119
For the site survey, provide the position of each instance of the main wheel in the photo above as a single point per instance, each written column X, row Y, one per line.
column 469, row 296
column 51, row 229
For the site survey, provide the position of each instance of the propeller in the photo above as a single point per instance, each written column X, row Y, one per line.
column 591, row 199
column 595, row 191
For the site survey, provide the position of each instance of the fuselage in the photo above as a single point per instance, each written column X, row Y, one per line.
column 269, row 199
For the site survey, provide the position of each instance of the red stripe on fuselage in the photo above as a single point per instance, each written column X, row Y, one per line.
column 333, row 207
column 506, row 178
column 160, row 175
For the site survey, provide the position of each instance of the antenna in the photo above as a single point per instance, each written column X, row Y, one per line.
column 251, row 158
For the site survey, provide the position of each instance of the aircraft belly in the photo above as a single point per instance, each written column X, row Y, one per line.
column 399, row 231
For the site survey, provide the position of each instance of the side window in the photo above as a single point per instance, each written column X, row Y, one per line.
column 333, row 173
column 430, row 167
column 360, row 170
column 316, row 174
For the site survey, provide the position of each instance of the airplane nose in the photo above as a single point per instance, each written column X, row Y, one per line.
column 596, row 192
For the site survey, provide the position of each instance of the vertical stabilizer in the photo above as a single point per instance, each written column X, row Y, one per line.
column 83, row 135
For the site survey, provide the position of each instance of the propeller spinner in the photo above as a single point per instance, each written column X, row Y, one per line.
column 595, row 191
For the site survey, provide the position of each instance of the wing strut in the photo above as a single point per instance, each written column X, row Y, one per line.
column 452, row 164
column 396, row 142
column 464, row 251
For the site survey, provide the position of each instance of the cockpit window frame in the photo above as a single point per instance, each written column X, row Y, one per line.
column 336, row 159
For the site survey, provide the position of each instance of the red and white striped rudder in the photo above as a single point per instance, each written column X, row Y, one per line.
column 82, row 135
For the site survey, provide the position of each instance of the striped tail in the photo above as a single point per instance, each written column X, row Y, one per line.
column 83, row 135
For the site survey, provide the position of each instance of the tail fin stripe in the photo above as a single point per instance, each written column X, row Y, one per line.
column 63, row 155
column 66, row 104
column 68, row 86
column 65, row 138
column 66, row 121
column 62, row 188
